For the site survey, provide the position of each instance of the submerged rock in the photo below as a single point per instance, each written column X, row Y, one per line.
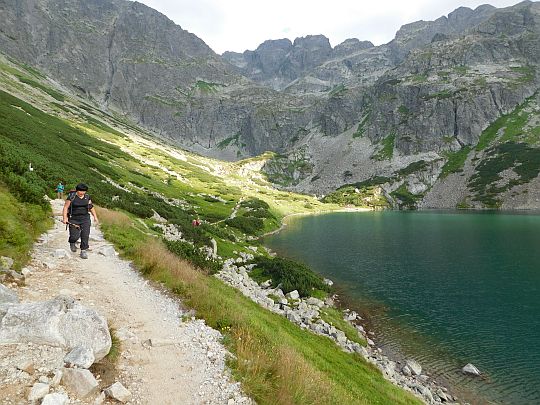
column 471, row 370
column 413, row 365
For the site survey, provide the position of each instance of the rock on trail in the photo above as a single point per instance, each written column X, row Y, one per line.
column 175, row 369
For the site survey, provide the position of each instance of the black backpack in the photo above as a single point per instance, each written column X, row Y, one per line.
column 71, row 196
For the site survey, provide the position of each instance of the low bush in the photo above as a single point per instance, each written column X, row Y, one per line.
column 248, row 225
column 192, row 254
column 255, row 204
column 290, row 275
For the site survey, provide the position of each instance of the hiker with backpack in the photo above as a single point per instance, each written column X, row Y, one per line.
column 76, row 214
column 60, row 191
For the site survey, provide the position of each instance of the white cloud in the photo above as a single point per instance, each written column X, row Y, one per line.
column 237, row 25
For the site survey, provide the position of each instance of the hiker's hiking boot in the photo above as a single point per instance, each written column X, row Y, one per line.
column 73, row 247
column 84, row 255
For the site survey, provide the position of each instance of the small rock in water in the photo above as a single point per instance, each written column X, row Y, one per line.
column 406, row 371
column 471, row 370
column 415, row 368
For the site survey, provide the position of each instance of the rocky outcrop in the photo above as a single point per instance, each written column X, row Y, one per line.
column 61, row 322
column 276, row 63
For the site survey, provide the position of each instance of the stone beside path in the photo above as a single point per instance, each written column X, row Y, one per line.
column 176, row 368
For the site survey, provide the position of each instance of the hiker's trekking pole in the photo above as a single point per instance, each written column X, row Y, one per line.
column 68, row 223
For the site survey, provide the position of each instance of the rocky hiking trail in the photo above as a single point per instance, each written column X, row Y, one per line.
column 166, row 356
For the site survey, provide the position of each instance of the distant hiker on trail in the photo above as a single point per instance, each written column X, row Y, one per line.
column 76, row 214
column 60, row 191
column 196, row 222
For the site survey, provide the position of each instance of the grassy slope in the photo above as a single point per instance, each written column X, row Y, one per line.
column 20, row 224
column 511, row 143
column 276, row 361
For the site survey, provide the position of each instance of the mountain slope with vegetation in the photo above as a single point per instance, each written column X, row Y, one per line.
column 144, row 188
column 333, row 116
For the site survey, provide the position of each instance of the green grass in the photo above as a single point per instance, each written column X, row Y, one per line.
column 361, row 126
column 420, row 78
column 523, row 159
column 387, row 150
column 337, row 91
column 510, row 127
column 455, row 162
column 207, row 87
column 334, row 316
column 228, row 141
column 53, row 93
column 364, row 196
column 20, row 224
column 526, row 74
column 405, row 199
column 441, row 95
column 413, row 168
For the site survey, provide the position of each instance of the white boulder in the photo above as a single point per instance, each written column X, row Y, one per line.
column 61, row 322
column 294, row 295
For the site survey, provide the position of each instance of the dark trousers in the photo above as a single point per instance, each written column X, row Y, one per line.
column 83, row 232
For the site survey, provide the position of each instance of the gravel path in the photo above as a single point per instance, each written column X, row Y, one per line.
column 164, row 360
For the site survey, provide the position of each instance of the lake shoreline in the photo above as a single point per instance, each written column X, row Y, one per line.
column 462, row 389
column 312, row 213
column 379, row 355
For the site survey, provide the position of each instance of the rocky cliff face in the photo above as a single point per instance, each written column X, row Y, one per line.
column 401, row 112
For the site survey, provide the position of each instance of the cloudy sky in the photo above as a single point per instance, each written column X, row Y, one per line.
column 237, row 25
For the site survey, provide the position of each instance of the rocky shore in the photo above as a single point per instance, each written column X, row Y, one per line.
column 305, row 312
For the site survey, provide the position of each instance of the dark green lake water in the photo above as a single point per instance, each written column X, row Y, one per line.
column 446, row 288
